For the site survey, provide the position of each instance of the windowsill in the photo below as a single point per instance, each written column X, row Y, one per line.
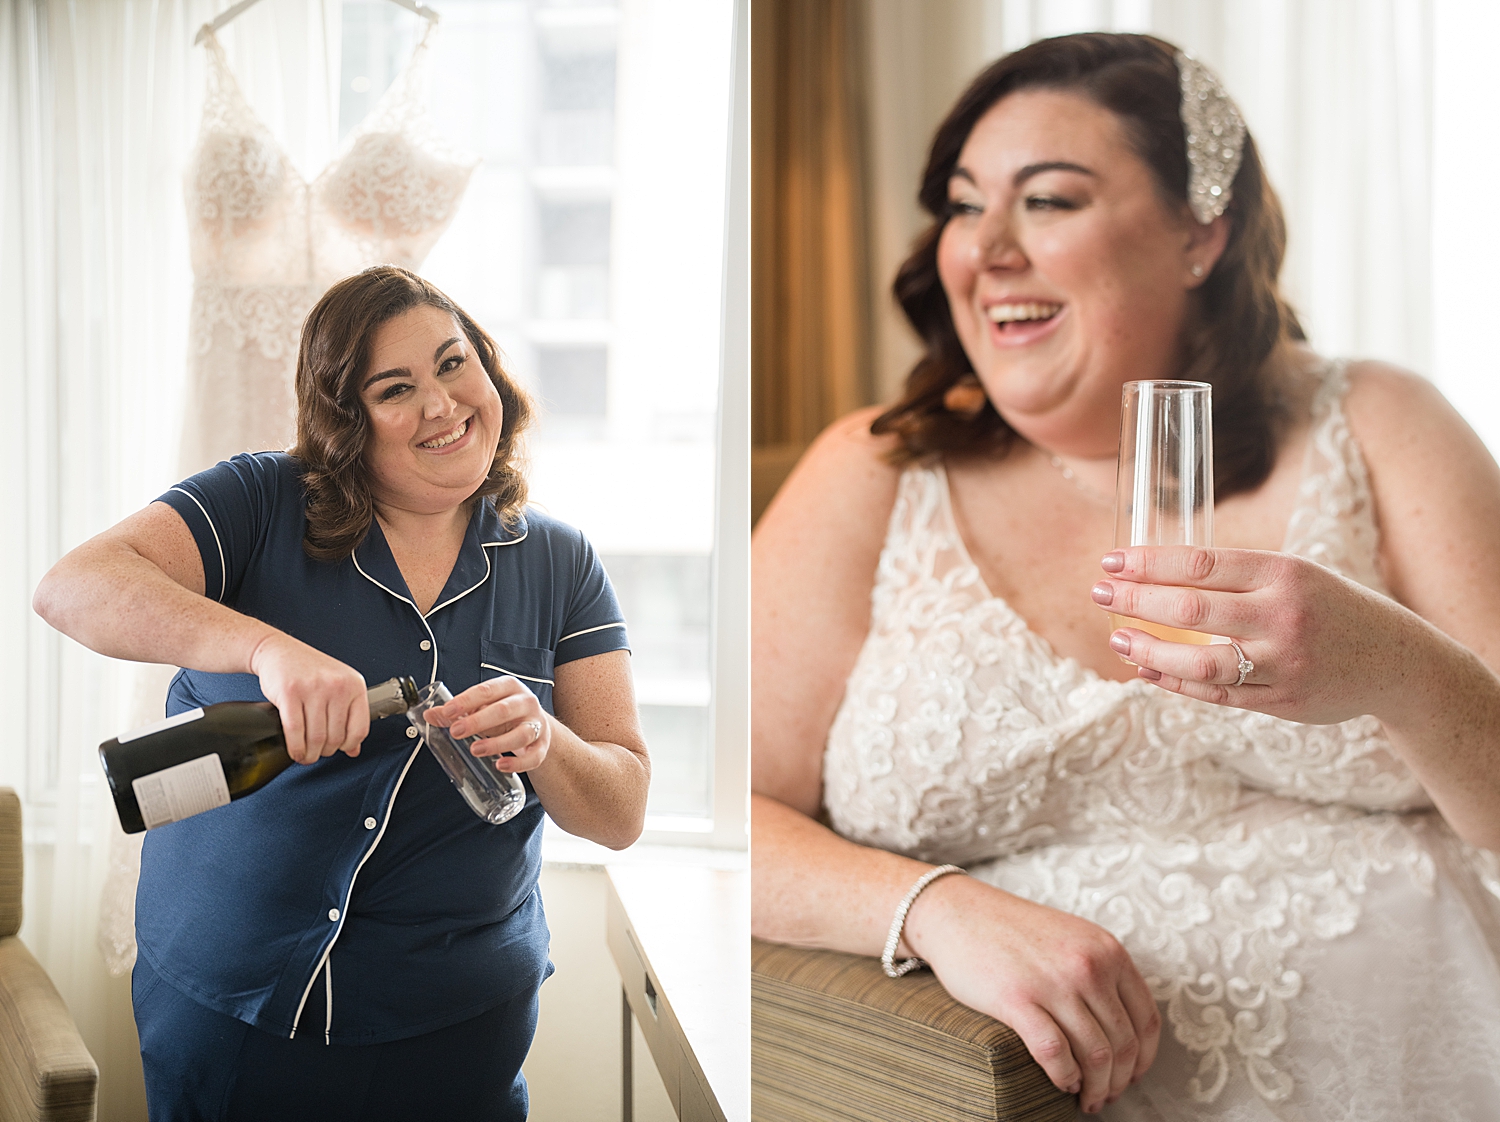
column 561, row 850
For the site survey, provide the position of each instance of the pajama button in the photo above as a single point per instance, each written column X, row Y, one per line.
column 333, row 914
column 370, row 823
column 411, row 732
column 426, row 644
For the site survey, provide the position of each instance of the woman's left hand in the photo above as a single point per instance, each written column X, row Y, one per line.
column 1323, row 649
column 507, row 719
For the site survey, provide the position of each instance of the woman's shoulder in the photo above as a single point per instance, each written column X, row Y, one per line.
column 267, row 468
column 535, row 527
column 1376, row 398
column 847, row 475
column 1394, row 413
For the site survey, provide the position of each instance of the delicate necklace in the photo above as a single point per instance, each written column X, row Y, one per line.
column 1071, row 477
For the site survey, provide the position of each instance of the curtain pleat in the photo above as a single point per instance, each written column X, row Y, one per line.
column 810, row 316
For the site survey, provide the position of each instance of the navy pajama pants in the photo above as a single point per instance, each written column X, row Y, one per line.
column 203, row 1066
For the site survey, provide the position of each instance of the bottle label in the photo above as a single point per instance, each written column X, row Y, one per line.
column 161, row 726
column 181, row 791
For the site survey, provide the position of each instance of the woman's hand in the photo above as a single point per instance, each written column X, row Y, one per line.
column 1324, row 649
column 1066, row 986
column 321, row 701
column 507, row 719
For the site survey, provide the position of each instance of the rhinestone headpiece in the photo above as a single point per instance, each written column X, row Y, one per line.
column 1215, row 138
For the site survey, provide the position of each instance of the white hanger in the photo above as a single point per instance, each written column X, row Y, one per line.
column 228, row 14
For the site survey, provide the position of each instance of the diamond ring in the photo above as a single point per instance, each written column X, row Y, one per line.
column 536, row 727
column 1246, row 667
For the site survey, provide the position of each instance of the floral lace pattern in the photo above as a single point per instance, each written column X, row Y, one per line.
column 1221, row 847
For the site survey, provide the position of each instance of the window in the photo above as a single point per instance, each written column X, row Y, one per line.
column 591, row 245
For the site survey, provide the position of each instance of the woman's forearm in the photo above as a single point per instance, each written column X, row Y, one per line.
column 1440, row 708
column 593, row 789
column 813, row 888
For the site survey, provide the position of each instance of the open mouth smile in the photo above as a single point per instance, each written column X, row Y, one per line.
column 1006, row 314
column 1021, row 323
column 449, row 437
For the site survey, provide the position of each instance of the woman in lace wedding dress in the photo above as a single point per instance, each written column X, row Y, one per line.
column 1197, row 891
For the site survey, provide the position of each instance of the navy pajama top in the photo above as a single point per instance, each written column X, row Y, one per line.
column 374, row 868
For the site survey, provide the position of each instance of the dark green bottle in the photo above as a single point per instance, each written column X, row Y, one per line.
column 204, row 758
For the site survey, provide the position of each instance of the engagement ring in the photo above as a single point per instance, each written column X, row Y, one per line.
column 1246, row 667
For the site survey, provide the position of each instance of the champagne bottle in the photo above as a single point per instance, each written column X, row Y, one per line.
column 205, row 757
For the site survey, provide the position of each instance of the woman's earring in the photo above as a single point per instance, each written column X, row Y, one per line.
column 1197, row 269
column 965, row 396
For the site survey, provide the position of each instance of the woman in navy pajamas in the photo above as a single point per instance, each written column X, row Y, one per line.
column 353, row 942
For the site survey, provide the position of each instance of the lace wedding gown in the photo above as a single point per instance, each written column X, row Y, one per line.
column 1320, row 943
column 266, row 244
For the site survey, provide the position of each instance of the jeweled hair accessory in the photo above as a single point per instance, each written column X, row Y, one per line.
column 1215, row 138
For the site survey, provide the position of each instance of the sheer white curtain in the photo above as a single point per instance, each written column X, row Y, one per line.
column 98, row 111
column 1337, row 93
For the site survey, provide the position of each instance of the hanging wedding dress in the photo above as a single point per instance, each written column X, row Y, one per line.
column 266, row 244
column 1321, row 944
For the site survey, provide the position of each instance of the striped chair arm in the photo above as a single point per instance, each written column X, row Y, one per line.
column 834, row 1040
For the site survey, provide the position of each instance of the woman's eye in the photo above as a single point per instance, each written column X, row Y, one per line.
column 1048, row 202
column 391, row 392
column 451, row 364
column 963, row 206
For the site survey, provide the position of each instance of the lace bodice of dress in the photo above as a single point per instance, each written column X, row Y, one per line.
column 387, row 196
column 266, row 243
column 963, row 737
column 1213, row 842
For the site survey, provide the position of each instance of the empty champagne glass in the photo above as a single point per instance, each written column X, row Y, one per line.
column 1164, row 483
column 496, row 796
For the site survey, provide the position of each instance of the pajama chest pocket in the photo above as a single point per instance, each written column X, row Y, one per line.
column 532, row 665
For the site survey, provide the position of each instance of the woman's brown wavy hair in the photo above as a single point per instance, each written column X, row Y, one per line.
column 333, row 427
column 1241, row 317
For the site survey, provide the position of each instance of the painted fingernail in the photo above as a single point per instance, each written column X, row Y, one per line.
column 1149, row 674
column 1112, row 562
column 1119, row 642
column 1103, row 594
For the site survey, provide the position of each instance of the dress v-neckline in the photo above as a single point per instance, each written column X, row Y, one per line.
column 1035, row 638
column 1030, row 635
column 221, row 59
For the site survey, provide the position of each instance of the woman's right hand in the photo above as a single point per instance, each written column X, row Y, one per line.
column 1065, row 985
column 321, row 700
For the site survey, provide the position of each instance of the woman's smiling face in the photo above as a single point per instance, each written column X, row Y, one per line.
column 435, row 416
column 1066, row 271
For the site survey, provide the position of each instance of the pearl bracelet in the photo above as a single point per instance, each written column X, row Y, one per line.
column 893, row 940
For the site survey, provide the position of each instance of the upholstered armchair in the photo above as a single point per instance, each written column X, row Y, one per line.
column 46, row 1074
column 834, row 1040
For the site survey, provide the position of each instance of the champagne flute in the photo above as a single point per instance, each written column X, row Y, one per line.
column 496, row 796
column 1164, row 482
